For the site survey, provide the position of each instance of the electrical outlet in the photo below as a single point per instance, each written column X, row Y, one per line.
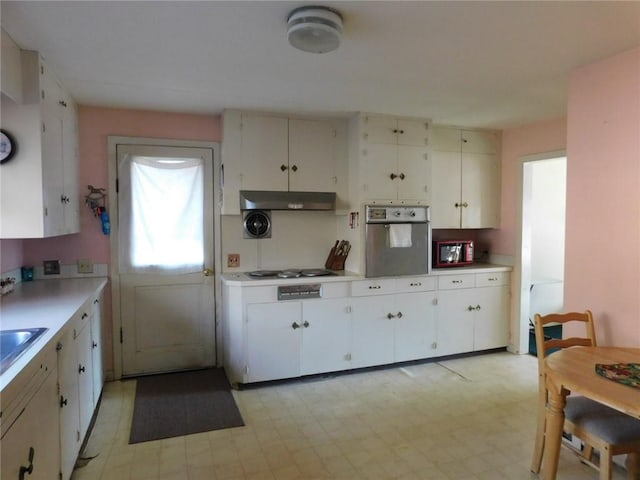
column 51, row 267
column 85, row 265
column 233, row 260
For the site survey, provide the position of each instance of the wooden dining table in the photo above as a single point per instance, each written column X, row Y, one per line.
column 573, row 370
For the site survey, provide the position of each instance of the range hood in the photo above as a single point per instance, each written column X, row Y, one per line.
column 270, row 200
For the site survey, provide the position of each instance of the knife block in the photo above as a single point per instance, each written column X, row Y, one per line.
column 335, row 261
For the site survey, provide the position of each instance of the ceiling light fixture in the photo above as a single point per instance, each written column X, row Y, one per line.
column 314, row 29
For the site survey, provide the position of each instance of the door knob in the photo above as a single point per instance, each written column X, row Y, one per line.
column 207, row 272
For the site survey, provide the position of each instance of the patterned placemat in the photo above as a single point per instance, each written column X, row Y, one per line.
column 625, row 373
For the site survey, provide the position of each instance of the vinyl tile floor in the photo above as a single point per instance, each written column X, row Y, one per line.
column 470, row 418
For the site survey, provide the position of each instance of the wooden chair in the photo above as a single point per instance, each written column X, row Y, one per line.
column 598, row 426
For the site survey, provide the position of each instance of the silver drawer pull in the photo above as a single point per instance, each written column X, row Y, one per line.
column 374, row 287
column 415, row 284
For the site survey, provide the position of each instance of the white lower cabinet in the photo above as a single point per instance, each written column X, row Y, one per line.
column 30, row 444
column 473, row 312
column 96, row 349
column 326, row 336
column 372, row 331
column 393, row 320
column 289, row 339
column 77, row 383
column 362, row 324
column 273, row 341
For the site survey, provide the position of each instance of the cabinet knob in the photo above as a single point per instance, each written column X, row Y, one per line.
column 84, row 315
column 393, row 176
column 374, row 287
column 81, row 369
column 399, row 314
column 94, row 344
column 63, row 401
column 294, row 168
column 97, row 300
column 62, row 103
column 283, row 167
column 295, row 326
column 390, row 316
column 28, row 470
column 415, row 284
column 401, row 176
column 456, row 281
column 305, row 324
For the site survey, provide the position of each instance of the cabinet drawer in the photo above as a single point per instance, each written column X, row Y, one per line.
column 373, row 287
column 415, row 284
column 335, row 290
column 492, row 279
column 453, row 282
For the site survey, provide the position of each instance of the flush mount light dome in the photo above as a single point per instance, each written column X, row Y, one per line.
column 314, row 29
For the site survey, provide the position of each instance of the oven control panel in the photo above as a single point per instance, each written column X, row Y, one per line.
column 393, row 214
column 299, row 292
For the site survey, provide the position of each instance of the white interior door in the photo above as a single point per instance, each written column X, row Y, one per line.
column 165, row 258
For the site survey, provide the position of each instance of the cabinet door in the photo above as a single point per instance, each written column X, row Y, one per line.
column 379, row 162
column 474, row 141
column 264, row 154
column 84, row 369
column 35, row 429
column 312, row 162
column 326, row 336
column 445, row 189
column 480, row 191
column 273, row 341
column 446, row 139
column 380, row 129
column 413, row 132
column 96, row 349
column 455, row 321
column 70, row 166
column 68, row 401
column 373, row 342
column 415, row 330
column 415, row 164
column 52, row 172
column 492, row 318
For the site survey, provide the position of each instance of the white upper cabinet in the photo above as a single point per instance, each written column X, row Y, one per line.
column 270, row 152
column 466, row 166
column 39, row 193
column 392, row 158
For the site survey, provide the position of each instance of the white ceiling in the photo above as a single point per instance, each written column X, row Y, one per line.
column 490, row 64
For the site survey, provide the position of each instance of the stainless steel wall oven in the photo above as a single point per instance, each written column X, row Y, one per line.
column 398, row 240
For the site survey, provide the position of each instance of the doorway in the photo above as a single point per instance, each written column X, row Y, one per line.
column 542, row 245
column 162, row 248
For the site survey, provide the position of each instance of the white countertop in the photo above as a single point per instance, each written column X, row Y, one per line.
column 43, row 303
column 240, row 279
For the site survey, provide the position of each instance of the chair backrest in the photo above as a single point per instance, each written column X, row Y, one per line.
column 543, row 346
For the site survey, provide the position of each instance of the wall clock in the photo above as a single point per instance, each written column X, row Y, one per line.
column 8, row 146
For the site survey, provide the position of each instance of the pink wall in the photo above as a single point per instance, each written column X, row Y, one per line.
column 602, row 267
column 95, row 125
column 531, row 139
column 10, row 255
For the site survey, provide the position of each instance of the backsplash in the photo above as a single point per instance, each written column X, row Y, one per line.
column 298, row 239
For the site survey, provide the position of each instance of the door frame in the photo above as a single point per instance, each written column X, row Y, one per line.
column 112, row 143
column 521, row 295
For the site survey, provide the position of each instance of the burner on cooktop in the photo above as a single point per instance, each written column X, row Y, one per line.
column 291, row 273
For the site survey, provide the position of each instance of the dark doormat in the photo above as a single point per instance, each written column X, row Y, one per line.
column 175, row 404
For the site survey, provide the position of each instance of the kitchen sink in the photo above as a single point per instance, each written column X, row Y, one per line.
column 14, row 343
